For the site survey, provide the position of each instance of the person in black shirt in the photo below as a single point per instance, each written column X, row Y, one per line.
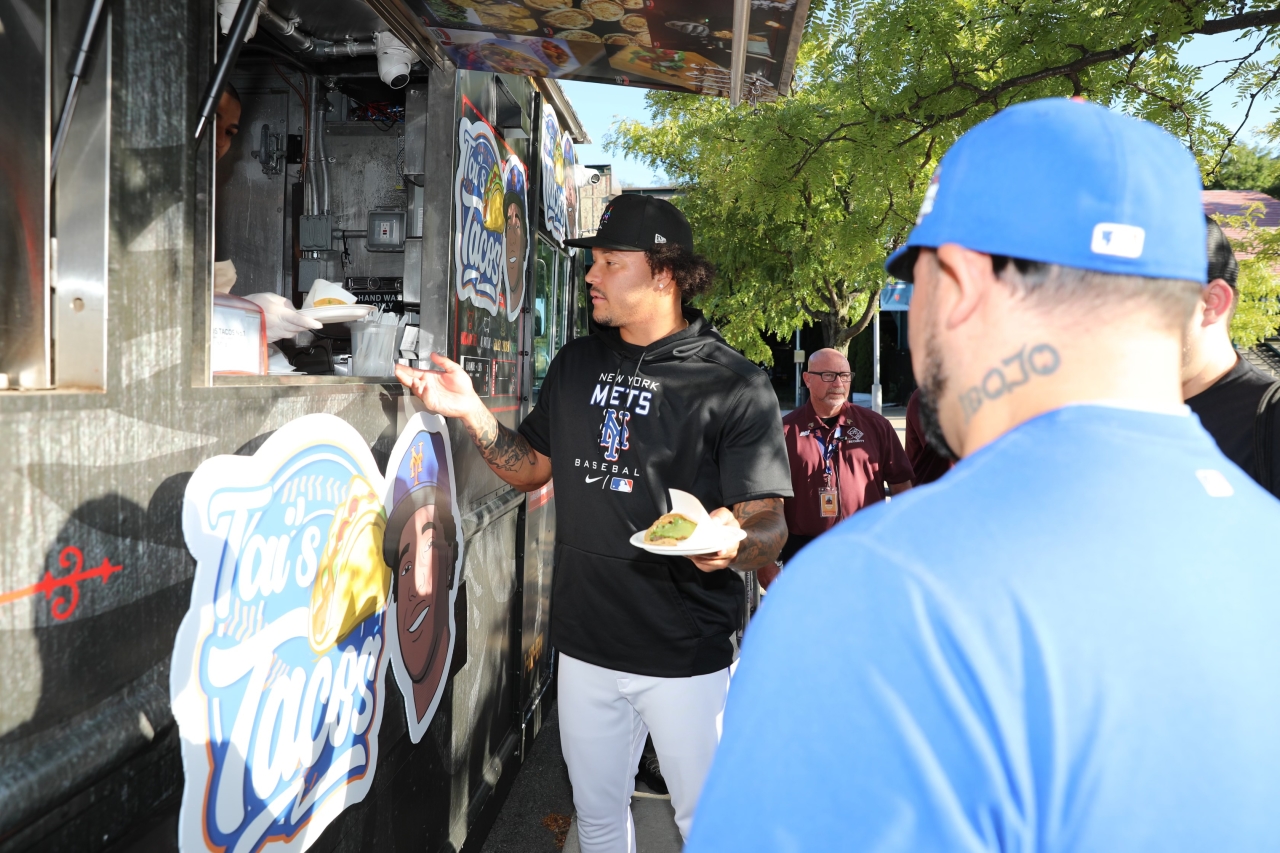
column 1222, row 388
column 654, row 400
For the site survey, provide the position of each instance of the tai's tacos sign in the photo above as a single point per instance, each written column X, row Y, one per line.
column 559, row 185
column 278, row 669
column 492, row 243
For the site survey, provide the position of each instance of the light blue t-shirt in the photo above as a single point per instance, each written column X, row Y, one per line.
column 1069, row 643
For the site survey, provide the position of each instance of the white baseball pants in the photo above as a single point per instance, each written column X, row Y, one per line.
column 604, row 717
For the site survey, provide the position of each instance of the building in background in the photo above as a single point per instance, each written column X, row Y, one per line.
column 667, row 192
column 595, row 190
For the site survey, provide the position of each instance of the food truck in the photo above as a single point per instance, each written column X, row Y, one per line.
column 252, row 596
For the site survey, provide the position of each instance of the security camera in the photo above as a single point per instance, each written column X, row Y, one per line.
column 394, row 60
column 583, row 176
column 227, row 13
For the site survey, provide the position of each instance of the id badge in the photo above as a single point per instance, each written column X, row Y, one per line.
column 827, row 502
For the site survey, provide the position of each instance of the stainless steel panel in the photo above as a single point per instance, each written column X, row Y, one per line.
column 364, row 174
column 436, row 293
column 415, row 162
column 415, row 132
column 83, row 228
column 249, row 205
column 24, row 194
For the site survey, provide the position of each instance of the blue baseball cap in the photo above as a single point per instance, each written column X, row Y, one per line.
column 1066, row 182
column 422, row 479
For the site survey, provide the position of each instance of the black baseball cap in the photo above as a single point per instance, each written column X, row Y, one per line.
column 634, row 223
column 1222, row 261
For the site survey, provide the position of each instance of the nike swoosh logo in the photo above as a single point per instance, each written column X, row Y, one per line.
column 593, row 479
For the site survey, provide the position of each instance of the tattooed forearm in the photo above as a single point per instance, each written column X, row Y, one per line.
column 502, row 448
column 766, row 533
column 1011, row 373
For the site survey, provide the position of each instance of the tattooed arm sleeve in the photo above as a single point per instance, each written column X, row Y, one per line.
column 509, row 453
column 766, row 533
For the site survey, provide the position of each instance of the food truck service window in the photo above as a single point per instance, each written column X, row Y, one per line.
column 317, row 223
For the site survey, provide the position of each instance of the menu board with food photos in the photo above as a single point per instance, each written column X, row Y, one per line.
column 681, row 45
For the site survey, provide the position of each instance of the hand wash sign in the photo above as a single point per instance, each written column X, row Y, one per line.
column 277, row 680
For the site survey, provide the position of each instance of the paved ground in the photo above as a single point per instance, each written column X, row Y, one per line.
column 541, row 796
column 541, row 800
column 897, row 416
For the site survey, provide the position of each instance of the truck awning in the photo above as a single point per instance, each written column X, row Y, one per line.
column 679, row 45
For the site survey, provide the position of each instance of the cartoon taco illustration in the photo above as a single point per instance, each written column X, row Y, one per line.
column 493, row 190
column 352, row 579
column 557, row 160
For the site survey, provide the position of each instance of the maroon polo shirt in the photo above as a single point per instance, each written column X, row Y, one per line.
column 867, row 454
column 927, row 463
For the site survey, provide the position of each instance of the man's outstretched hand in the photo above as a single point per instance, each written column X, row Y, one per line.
column 448, row 391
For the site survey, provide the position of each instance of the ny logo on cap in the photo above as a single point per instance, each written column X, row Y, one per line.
column 658, row 238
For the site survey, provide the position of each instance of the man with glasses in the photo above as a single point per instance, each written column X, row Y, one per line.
column 841, row 454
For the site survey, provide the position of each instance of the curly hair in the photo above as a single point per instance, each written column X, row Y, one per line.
column 692, row 273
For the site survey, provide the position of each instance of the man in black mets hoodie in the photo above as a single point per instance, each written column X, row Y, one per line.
column 652, row 401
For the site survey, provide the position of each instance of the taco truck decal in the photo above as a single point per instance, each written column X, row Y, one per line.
column 491, row 200
column 278, row 668
column 554, row 175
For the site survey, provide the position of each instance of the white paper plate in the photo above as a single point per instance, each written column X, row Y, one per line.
column 707, row 545
column 708, row 538
column 338, row 313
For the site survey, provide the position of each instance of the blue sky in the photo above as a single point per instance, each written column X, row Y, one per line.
column 599, row 106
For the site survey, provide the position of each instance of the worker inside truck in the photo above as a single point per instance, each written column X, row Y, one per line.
column 283, row 320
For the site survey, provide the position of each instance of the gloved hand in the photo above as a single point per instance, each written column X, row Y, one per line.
column 283, row 320
column 224, row 276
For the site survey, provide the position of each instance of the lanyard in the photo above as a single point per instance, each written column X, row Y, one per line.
column 828, row 449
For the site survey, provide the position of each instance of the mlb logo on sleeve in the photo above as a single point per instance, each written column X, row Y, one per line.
column 620, row 484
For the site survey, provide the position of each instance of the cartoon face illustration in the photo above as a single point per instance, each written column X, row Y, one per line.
column 422, row 546
column 516, row 247
column 421, row 595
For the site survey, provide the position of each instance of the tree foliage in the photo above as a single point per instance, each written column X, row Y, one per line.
column 799, row 201
column 1248, row 167
column 1257, row 311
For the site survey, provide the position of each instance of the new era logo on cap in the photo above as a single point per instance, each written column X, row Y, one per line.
column 1122, row 241
column 636, row 223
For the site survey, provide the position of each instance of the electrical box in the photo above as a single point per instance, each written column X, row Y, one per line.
column 385, row 231
column 315, row 234
column 308, row 272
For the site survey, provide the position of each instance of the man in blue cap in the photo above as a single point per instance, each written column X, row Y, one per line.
column 1081, row 654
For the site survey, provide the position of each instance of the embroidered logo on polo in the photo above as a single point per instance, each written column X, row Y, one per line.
column 615, row 433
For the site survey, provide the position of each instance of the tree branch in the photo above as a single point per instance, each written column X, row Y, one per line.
column 865, row 320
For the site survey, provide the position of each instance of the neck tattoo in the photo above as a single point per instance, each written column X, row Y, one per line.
column 1012, row 372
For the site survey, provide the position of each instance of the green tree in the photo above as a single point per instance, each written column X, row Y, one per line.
column 1248, row 167
column 798, row 201
column 1258, row 306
